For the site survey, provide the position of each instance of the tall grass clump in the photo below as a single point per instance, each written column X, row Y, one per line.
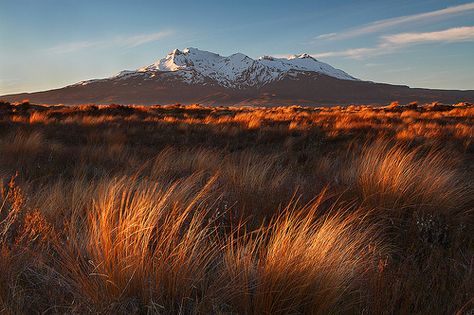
column 298, row 264
column 426, row 204
column 397, row 178
column 142, row 248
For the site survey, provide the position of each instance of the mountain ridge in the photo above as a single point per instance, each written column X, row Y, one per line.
column 197, row 76
column 239, row 71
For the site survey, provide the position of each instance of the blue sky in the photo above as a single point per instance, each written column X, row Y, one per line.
column 51, row 43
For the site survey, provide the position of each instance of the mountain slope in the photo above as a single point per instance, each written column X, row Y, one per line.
column 196, row 76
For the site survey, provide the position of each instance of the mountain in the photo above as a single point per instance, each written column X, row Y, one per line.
column 197, row 76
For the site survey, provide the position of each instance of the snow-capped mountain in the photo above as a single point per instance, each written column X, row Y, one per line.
column 238, row 71
column 196, row 76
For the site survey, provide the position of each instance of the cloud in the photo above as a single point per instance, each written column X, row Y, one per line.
column 456, row 34
column 355, row 53
column 119, row 41
column 392, row 43
column 326, row 36
column 71, row 47
column 388, row 23
column 133, row 41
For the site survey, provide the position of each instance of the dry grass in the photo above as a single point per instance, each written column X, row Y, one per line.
column 228, row 210
column 397, row 178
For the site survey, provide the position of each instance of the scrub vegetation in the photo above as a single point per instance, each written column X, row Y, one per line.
column 235, row 210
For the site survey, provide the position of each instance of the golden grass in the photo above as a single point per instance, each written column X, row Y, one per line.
column 229, row 210
column 398, row 178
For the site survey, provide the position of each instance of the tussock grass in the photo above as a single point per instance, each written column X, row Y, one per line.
column 142, row 244
column 298, row 264
column 229, row 210
column 396, row 177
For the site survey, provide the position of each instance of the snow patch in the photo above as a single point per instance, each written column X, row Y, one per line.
column 235, row 71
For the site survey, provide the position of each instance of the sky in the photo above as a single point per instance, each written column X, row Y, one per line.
column 52, row 43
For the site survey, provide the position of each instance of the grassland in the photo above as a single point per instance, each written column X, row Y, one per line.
column 222, row 210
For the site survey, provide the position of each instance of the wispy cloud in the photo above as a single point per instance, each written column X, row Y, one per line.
column 381, row 25
column 137, row 40
column 118, row 41
column 392, row 43
column 327, row 36
column 354, row 53
column 456, row 34
column 73, row 46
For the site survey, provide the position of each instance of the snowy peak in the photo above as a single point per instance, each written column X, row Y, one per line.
column 184, row 60
column 235, row 71
column 301, row 56
column 304, row 62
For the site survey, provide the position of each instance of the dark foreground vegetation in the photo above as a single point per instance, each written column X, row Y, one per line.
column 200, row 210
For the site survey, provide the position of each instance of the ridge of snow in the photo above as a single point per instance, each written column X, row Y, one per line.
column 235, row 71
